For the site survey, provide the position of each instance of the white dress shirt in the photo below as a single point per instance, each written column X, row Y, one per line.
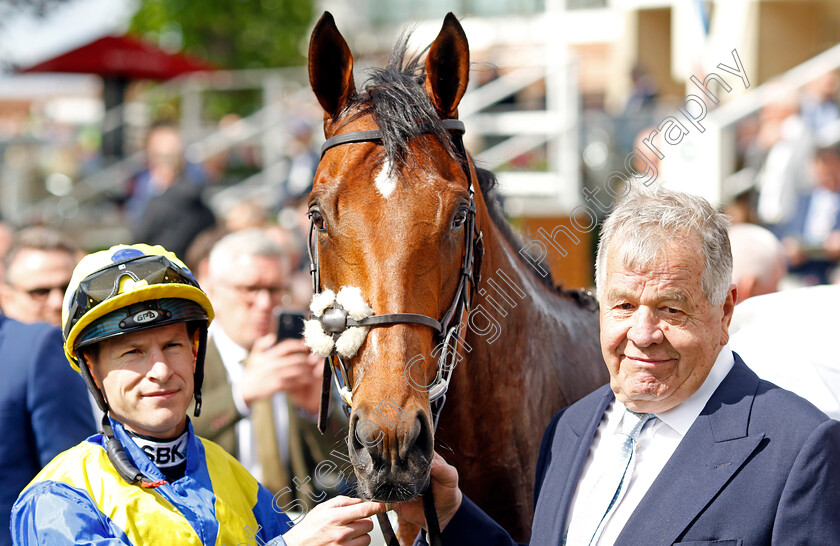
column 657, row 442
column 233, row 357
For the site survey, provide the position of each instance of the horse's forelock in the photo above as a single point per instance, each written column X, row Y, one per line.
column 396, row 97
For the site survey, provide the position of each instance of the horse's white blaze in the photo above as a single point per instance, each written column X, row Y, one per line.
column 384, row 181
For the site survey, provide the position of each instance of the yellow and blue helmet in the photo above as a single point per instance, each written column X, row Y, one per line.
column 129, row 288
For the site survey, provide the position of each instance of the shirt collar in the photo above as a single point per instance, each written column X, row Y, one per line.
column 142, row 461
column 230, row 352
column 683, row 416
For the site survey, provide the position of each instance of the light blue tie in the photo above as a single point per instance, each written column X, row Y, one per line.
column 586, row 527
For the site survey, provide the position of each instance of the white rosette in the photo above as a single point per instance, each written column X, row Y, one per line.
column 348, row 343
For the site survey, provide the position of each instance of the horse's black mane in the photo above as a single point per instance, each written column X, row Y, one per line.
column 396, row 98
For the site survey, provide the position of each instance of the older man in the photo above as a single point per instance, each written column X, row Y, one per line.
column 266, row 391
column 686, row 444
column 38, row 269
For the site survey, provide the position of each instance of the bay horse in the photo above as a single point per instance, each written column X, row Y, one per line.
column 396, row 215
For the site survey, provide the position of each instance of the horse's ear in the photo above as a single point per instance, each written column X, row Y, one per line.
column 330, row 66
column 447, row 67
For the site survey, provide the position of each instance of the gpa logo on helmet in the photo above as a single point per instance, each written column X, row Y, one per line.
column 145, row 316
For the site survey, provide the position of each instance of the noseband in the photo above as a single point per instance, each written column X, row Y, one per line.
column 335, row 321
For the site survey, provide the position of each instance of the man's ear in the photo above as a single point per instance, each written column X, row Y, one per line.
column 728, row 309
column 196, row 341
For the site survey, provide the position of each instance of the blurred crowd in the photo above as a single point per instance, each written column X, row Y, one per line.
column 789, row 182
column 784, row 199
column 263, row 393
column 251, row 259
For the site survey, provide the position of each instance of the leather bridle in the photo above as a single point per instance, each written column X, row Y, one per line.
column 335, row 320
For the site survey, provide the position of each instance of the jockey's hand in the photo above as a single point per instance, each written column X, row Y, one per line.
column 447, row 495
column 340, row 521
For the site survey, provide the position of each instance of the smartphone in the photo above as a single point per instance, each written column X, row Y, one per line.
column 288, row 325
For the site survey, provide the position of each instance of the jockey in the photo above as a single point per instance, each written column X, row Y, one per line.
column 135, row 326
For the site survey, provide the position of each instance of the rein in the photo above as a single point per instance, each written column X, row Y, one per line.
column 335, row 320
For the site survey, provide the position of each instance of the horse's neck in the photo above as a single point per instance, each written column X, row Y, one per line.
column 514, row 296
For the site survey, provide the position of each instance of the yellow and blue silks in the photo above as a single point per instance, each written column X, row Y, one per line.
column 80, row 498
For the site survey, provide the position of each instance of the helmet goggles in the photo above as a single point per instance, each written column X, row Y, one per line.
column 107, row 282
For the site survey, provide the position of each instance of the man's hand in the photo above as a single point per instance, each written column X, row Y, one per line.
column 340, row 521
column 447, row 495
column 287, row 367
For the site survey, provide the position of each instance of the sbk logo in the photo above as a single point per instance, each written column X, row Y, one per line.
column 166, row 454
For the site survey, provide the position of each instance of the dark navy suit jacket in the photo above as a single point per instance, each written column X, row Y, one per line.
column 44, row 407
column 758, row 466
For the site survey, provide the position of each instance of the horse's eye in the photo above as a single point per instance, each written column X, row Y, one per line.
column 317, row 220
column 460, row 218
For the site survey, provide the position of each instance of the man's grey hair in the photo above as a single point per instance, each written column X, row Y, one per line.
column 645, row 221
column 247, row 242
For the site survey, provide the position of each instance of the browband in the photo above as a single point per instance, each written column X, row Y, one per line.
column 454, row 125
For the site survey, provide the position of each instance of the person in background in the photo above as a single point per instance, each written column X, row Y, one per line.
column 294, row 247
column 758, row 260
column 7, row 235
column 245, row 214
column 168, row 208
column 135, row 327
column 810, row 367
column 685, row 445
column 788, row 146
column 303, row 162
column 812, row 237
column 198, row 253
column 38, row 268
column 164, row 166
column 819, row 102
column 265, row 391
column 44, row 407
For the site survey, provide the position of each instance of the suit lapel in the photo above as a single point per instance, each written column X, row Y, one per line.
column 710, row 454
column 569, row 451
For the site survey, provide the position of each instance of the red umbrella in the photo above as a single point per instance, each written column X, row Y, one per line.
column 120, row 59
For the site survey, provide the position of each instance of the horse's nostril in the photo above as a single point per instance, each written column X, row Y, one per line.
column 424, row 440
column 366, row 436
column 355, row 444
column 411, row 437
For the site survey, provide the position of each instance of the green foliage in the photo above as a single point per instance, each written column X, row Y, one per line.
column 231, row 34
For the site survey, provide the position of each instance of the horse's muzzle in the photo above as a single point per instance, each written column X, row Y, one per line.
column 391, row 459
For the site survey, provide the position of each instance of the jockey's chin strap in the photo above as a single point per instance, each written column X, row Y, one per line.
column 335, row 321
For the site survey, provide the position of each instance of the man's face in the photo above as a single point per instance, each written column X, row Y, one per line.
column 244, row 293
column 660, row 335
column 147, row 378
column 164, row 149
column 35, row 285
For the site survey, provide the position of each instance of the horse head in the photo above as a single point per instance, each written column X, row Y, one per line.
column 393, row 217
